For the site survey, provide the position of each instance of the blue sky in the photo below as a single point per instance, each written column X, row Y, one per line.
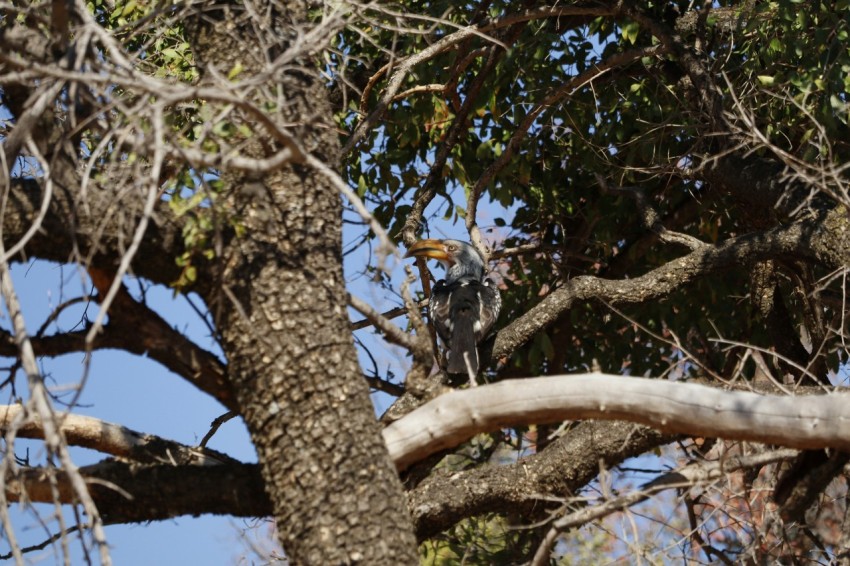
column 139, row 393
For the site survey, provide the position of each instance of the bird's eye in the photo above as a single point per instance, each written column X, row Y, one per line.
column 451, row 248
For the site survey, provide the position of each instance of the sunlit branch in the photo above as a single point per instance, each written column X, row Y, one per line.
column 109, row 438
column 799, row 422
column 807, row 422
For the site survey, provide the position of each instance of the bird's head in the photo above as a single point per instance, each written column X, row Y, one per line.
column 459, row 258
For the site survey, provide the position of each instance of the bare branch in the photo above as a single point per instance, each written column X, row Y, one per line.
column 818, row 421
column 389, row 315
column 109, row 438
column 393, row 333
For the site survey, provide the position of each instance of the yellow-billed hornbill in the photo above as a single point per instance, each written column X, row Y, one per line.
column 464, row 306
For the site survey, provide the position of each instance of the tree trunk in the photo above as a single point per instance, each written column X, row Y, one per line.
column 283, row 319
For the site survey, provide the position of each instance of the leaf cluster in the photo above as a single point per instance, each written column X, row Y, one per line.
column 634, row 125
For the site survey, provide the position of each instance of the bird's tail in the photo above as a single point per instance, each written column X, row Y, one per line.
column 463, row 355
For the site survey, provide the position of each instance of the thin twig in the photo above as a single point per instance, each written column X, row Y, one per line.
column 389, row 315
column 393, row 333
column 689, row 476
column 215, row 425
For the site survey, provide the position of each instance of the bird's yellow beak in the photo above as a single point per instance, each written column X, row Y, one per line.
column 428, row 248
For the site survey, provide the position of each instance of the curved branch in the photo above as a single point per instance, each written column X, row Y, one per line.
column 817, row 421
column 564, row 466
column 824, row 239
column 529, row 486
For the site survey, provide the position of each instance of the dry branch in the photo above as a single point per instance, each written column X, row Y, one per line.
column 110, row 438
column 818, row 421
column 807, row 422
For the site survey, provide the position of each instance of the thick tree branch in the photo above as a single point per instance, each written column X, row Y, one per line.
column 127, row 493
column 821, row 421
column 436, row 504
column 143, row 332
column 135, row 328
column 528, row 486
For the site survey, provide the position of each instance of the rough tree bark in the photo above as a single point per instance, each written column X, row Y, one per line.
column 281, row 311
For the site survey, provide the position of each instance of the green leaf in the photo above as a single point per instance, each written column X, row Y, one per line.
column 129, row 8
column 235, row 71
column 629, row 31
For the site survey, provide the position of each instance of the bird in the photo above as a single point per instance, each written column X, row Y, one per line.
column 464, row 306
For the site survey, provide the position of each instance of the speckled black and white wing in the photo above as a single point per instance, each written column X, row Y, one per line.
column 464, row 313
column 489, row 307
column 439, row 310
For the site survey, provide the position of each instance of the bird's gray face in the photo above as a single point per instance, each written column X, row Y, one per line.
column 459, row 258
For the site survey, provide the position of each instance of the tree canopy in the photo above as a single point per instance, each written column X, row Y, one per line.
column 660, row 190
